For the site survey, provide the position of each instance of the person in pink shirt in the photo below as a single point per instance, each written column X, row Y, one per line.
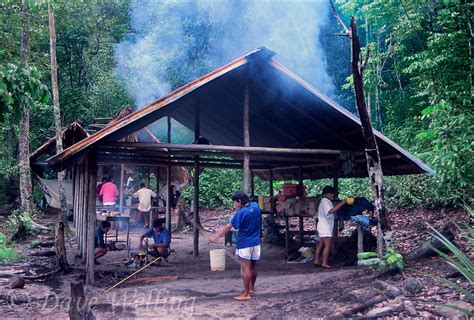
column 109, row 193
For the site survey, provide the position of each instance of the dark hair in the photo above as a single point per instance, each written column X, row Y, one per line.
column 104, row 224
column 142, row 185
column 158, row 222
column 240, row 196
column 328, row 189
column 104, row 179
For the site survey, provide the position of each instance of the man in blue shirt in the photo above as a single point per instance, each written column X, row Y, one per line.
column 247, row 221
column 101, row 247
column 162, row 238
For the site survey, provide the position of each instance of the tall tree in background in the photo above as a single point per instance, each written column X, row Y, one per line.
column 26, row 188
column 57, row 110
column 60, row 245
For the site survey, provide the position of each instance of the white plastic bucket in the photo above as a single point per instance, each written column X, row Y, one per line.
column 217, row 259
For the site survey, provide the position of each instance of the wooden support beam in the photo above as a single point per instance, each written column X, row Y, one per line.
column 196, row 211
column 85, row 204
column 91, row 218
column 246, row 135
column 287, row 235
column 201, row 147
column 301, row 230
column 168, row 178
column 168, row 198
column 252, row 184
column 360, row 239
column 122, row 178
column 157, row 175
column 270, row 185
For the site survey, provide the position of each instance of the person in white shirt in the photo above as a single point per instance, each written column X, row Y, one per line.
column 326, row 211
column 144, row 196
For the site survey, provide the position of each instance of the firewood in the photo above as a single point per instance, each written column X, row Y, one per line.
column 425, row 250
column 152, row 279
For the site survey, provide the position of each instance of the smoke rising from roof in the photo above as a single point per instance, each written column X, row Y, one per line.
column 174, row 42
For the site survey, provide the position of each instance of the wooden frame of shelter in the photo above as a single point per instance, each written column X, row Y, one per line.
column 257, row 116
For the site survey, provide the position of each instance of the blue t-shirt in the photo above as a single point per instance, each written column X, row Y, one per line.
column 247, row 222
column 162, row 237
column 99, row 238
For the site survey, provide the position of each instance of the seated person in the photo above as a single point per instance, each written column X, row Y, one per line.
column 101, row 247
column 161, row 237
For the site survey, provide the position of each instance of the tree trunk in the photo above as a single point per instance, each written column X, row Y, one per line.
column 374, row 166
column 26, row 188
column 57, row 111
column 61, row 248
column 62, row 223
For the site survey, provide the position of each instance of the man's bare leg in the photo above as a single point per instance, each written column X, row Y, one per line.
column 99, row 252
column 253, row 264
column 247, row 278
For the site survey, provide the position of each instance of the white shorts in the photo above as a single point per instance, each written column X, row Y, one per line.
column 249, row 253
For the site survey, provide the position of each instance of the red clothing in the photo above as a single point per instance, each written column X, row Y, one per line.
column 109, row 192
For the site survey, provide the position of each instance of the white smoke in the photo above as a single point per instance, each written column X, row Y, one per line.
column 163, row 40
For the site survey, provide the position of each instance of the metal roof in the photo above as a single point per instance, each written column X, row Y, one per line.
column 284, row 112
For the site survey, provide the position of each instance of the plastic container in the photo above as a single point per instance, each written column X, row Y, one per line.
column 217, row 259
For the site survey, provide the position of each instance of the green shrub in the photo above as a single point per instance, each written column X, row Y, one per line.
column 392, row 261
column 6, row 253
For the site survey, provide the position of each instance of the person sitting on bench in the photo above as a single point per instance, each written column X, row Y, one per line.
column 162, row 239
column 101, row 247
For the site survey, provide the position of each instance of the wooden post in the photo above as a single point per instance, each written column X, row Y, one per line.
column 335, row 183
column 246, row 134
column 271, row 183
column 74, row 201
column 360, row 239
column 78, row 307
column 168, row 178
column 168, row 196
column 122, row 178
column 301, row 231
column 157, row 175
column 252, row 184
column 91, row 218
column 147, row 177
column 197, row 221
column 85, row 201
column 287, row 235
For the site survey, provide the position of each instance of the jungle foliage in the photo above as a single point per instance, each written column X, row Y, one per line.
column 419, row 85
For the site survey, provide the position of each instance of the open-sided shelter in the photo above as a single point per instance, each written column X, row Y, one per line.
column 253, row 114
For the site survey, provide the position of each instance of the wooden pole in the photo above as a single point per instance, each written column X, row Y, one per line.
column 122, row 178
column 147, row 176
column 287, row 235
column 223, row 149
column 157, row 175
column 252, row 184
column 246, row 134
column 85, row 201
column 91, row 221
column 168, row 197
column 196, row 210
column 271, row 183
column 168, row 179
column 360, row 239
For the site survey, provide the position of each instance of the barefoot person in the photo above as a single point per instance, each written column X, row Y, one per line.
column 101, row 247
column 162, row 238
column 326, row 211
column 247, row 221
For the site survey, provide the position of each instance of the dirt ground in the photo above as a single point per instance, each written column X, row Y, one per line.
column 283, row 291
